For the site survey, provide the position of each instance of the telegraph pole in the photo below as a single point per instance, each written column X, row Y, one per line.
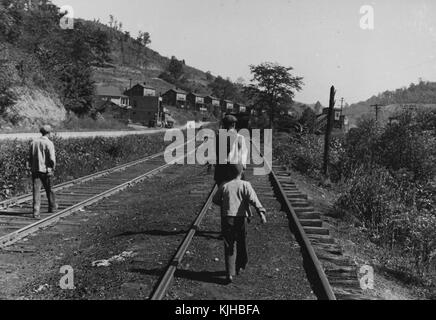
column 328, row 134
column 377, row 110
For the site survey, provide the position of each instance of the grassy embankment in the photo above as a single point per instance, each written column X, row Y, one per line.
column 384, row 190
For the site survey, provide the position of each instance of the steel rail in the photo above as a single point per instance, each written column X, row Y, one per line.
column 27, row 197
column 59, row 187
column 326, row 291
column 15, row 236
column 165, row 281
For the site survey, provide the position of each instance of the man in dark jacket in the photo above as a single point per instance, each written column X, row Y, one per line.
column 236, row 153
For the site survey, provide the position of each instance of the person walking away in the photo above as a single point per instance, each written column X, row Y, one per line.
column 42, row 163
column 236, row 154
column 235, row 198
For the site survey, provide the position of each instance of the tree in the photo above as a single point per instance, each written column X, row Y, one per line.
column 225, row 89
column 273, row 85
column 144, row 38
column 46, row 56
column 209, row 76
column 175, row 68
column 318, row 108
column 111, row 20
column 308, row 119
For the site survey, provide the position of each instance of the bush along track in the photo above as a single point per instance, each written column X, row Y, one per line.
column 75, row 158
column 386, row 177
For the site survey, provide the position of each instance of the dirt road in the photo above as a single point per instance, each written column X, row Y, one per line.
column 90, row 134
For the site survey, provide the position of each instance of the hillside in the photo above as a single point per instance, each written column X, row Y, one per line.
column 42, row 64
column 422, row 95
column 129, row 59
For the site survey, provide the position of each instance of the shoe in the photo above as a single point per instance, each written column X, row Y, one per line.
column 229, row 279
column 37, row 216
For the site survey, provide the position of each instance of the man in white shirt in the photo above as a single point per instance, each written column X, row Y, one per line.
column 42, row 163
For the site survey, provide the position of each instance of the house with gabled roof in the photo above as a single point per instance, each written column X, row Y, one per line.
column 196, row 102
column 141, row 90
column 176, row 98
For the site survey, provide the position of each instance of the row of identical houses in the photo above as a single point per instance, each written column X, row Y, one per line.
column 198, row 102
column 142, row 104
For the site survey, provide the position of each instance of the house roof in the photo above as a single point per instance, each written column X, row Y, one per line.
column 144, row 86
column 177, row 91
column 197, row 95
column 102, row 105
column 110, row 91
column 213, row 98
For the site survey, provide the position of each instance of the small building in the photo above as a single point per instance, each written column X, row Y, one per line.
column 176, row 98
column 196, row 102
column 227, row 106
column 112, row 94
column 141, row 90
column 108, row 109
column 147, row 110
column 212, row 103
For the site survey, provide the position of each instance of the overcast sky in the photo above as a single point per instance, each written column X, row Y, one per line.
column 322, row 40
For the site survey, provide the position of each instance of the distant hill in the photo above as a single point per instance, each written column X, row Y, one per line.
column 132, row 60
column 420, row 95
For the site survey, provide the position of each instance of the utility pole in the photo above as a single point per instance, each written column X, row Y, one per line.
column 377, row 110
column 328, row 135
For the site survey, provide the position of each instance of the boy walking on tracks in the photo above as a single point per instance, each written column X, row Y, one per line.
column 42, row 163
column 235, row 198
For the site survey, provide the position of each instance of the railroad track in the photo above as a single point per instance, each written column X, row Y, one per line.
column 15, row 214
column 329, row 281
column 332, row 276
column 301, row 220
column 165, row 282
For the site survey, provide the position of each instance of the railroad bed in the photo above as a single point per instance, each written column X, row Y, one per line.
column 16, row 218
column 289, row 245
column 174, row 235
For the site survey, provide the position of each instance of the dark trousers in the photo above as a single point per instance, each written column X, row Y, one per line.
column 45, row 180
column 234, row 231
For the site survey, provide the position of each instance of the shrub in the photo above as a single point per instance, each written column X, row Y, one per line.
column 75, row 158
column 305, row 154
column 393, row 214
column 76, row 123
column 389, row 182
